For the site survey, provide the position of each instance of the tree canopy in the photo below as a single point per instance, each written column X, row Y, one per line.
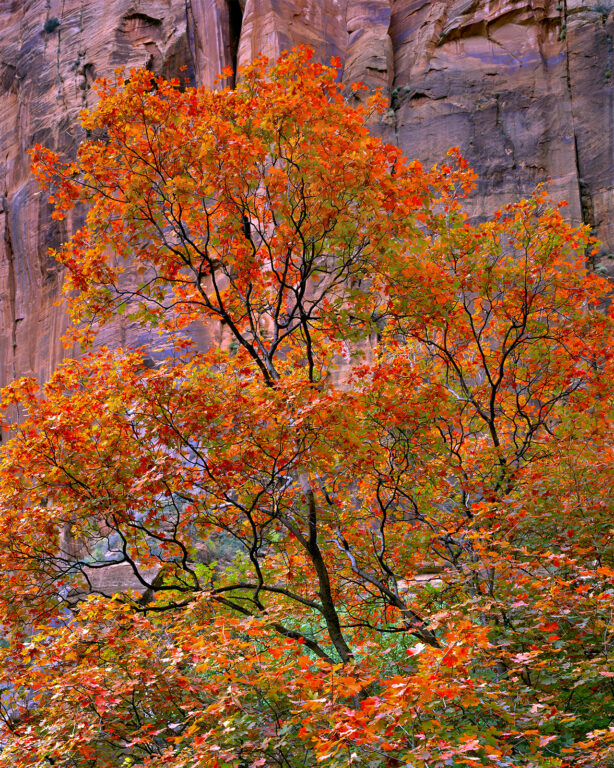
column 373, row 527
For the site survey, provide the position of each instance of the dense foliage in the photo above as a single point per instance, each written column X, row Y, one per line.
column 373, row 526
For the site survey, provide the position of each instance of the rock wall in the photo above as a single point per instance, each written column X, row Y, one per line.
column 524, row 87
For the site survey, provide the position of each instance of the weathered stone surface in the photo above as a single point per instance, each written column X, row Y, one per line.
column 214, row 27
column 50, row 53
column 492, row 79
column 590, row 55
column 524, row 87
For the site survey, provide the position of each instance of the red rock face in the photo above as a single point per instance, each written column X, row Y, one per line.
column 525, row 88
column 51, row 52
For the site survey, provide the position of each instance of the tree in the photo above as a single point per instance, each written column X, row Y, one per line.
column 374, row 527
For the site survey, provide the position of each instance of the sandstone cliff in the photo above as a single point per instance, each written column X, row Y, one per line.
column 525, row 88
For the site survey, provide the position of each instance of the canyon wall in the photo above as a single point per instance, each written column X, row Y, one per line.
column 525, row 88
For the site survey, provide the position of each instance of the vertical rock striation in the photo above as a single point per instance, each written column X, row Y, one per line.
column 524, row 87
column 51, row 51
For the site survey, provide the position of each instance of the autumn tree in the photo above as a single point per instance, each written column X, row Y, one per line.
column 374, row 527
